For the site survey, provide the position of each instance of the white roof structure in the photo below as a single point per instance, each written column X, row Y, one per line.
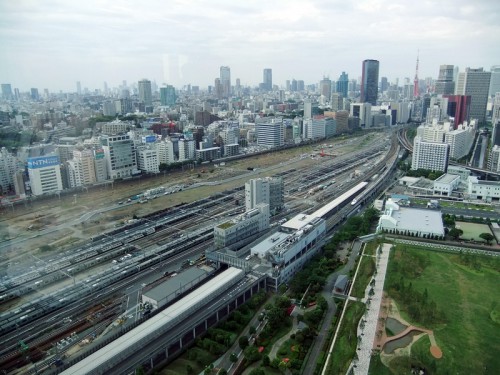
column 120, row 349
column 414, row 220
column 323, row 211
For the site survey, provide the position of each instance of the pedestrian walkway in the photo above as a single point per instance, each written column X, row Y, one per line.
column 281, row 341
column 367, row 328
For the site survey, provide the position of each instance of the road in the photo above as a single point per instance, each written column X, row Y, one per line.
column 465, row 212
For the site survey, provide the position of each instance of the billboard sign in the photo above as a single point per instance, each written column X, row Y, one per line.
column 42, row 162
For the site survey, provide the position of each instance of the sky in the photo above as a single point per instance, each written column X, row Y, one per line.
column 54, row 43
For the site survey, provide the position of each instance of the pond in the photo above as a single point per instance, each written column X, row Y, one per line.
column 401, row 342
column 394, row 325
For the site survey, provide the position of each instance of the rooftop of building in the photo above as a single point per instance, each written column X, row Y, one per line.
column 174, row 283
column 447, row 178
column 416, row 219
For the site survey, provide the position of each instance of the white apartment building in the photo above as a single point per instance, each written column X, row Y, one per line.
column 45, row 175
column 267, row 190
column 187, row 150
column 494, row 159
column 430, row 155
column 270, row 132
column 120, row 155
column 115, row 127
column 8, row 167
column 147, row 158
column 166, row 153
column 81, row 168
column 323, row 127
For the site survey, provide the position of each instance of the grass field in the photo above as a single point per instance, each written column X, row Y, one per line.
column 468, row 301
column 365, row 273
column 472, row 230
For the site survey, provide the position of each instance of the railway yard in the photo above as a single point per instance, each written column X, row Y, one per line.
column 59, row 303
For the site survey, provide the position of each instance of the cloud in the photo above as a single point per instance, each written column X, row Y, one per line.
column 54, row 43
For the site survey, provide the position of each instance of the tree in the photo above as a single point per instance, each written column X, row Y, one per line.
column 488, row 237
column 257, row 371
column 222, row 371
column 243, row 342
column 252, row 354
column 455, row 233
column 233, row 357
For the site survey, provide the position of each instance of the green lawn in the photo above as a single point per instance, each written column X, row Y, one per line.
column 347, row 340
column 365, row 273
column 467, row 299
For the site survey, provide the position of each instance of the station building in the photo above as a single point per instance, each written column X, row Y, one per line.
column 283, row 253
column 234, row 232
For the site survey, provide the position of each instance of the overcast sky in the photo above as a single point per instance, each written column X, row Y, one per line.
column 54, row 43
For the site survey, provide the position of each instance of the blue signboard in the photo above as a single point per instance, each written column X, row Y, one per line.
column 42, row 162
column 149, row 139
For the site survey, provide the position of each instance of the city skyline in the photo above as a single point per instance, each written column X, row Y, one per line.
column 55, row 44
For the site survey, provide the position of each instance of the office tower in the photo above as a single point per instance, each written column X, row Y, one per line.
column 337, row 102
column 45, row 175
column 369, row 82
column 270, row 132
column 167, row 96
column 300, row 85
column 495, row 80
column 145, row 94
column 237, row 87
column 81, row 169
column 8, row 168
column 78, row 87
column 268, row 79
column 6, row 91
column 494, row 160
column 294, row 85
column 17, row 95
column 34, row 94
column 225, row 80
column 384, row 84
column 495, row 120
column 476, row 83
column 288, row 86
column 268, row 190
column 320, row 127
column 458, row 107
column 307, row 108
column 325, row 88
column 120, row 155
column 444, row 83
column 218, row 88
column 343, row 84
column 430, row 155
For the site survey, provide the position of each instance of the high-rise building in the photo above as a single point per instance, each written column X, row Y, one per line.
column 45, row 175
column 34, row 94
column 268, row 79
column 369, row 82
column 225, row 80
column 494, row 159
column 325, row 88
column 120, row 155
column 444, row 83
column 343, row 84
column 294, row 85
column 78, row 87
column 267, row 190
column 430, row 155
column 145, row 93
column 6, row 91
column 218, row 88
column 495, row 80
column 320, row 127
column 167, row 96
column 337, row 101
column 384, row 84
column 300, row 85
column 270, row 132
column 458, row 108
column 8, row 167
column 476, row 83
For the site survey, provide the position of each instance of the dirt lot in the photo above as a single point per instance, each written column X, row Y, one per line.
column 63, row 213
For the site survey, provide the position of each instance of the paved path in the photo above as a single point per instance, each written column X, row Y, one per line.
column 367, row 329
column 281, row 341
column 320, row 340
